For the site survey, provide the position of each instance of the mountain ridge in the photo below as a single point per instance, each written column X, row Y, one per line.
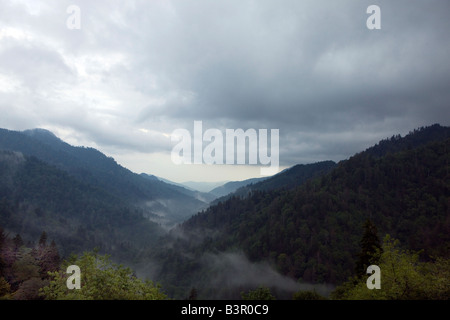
column 95, row 168
column 287, row 179
column 36, row 197
column 311, row 233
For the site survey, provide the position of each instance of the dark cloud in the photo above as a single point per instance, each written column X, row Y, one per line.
column 309, row 68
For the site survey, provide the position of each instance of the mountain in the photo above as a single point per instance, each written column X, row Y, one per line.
column 37, row 197
column 232, row 186
column 204, row 197
column 311, row 233
column 299, row 229
column 202, row 186
column 287, row 179
column 294, row 176
column 417, row 137
column 161, row 202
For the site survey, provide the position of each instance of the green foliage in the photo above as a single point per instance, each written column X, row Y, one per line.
column 29, row 289
column 32, row 273
column 307, row 295
column 403, row 277
column 5, row 289
column 261, row 293
column 26, row 266
column 100, row 280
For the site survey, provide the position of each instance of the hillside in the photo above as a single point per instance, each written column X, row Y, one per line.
column 311, row 233
column 37, row 197
column 161, row 201
column 287, row 179
column 298, row 230
column 204, row 197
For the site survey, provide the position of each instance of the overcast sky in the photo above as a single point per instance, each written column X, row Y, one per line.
column 137, row 70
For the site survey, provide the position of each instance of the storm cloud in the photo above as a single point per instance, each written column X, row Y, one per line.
column 137, row 70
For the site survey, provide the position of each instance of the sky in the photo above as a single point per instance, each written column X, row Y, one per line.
column 121, row 76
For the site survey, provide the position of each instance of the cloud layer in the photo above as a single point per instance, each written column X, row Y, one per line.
column 137, row 70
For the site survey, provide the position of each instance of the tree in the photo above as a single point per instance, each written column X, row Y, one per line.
column 403, row 277
column 5, row 289
column 193, row 294
column 43, row 239
column 370, row 246
column 307, row 295
column 100, row 280
column 18, row 242
column 29, row 289
column 48, row 259
column 262, row 293
column 26, row 266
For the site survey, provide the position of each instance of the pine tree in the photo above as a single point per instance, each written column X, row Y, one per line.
column 18, row 242
column 43, row 239
column 370, row 248
column 261, row 293
column 193, row 294
column 48, row 259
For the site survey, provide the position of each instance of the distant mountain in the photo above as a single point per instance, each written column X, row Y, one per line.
column 168, row 181
column 204, row 197
column 202, row 186
column 92, row 167
column 232, row 186
column 311, row 233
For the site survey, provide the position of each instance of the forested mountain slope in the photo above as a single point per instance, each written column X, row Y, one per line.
column 37, row 197
column 312, row 233
column 287, row 179
column 163, row 202
column 232, row 186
